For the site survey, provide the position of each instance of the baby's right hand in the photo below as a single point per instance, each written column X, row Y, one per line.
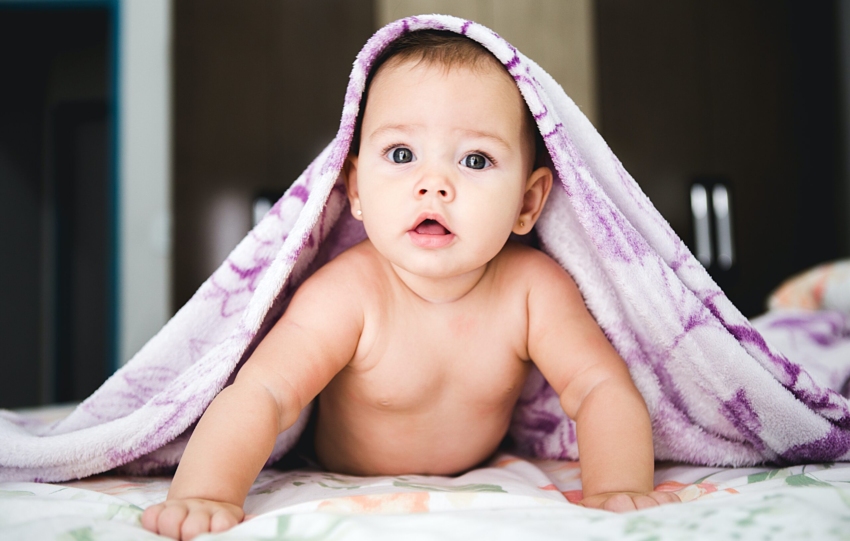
column 185, row 519
column 621, row 502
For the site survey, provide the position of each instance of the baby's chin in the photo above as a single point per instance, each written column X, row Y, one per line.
column 436, row 266
column 434, row 270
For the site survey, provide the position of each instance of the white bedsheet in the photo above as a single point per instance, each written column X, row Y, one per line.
column 512, row 499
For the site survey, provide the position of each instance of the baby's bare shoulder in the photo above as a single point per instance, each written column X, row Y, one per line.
column 340, row 288
column 533, row 268
column 352, row 273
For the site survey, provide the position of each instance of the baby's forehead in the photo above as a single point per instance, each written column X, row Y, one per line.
column 488, row 86
column 487, row 78
column 492, row 75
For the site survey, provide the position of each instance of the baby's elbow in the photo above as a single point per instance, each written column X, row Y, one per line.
column 601, row 385
column 278, row 395
column 289, row 405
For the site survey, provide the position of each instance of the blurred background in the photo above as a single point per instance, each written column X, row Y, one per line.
column 139, row 139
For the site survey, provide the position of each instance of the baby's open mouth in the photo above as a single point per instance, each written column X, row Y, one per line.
column 431, row 227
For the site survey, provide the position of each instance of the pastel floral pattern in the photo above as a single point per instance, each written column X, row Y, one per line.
column 510, row 498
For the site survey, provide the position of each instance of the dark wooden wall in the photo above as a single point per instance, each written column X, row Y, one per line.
column 742, row 89
column 258, row 92
column 56, row 214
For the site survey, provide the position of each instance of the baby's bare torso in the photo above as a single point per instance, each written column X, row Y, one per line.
column 431, row 387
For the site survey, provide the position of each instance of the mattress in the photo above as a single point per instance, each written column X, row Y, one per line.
column 509, row 498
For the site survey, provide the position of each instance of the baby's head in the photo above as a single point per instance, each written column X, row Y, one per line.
column 443, row 165
column 447, row 50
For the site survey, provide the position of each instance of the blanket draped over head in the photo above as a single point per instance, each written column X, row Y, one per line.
column 718, row 393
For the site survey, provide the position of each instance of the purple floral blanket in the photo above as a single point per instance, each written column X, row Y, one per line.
column 717, row 391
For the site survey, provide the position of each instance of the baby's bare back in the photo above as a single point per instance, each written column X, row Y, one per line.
column 431, row 387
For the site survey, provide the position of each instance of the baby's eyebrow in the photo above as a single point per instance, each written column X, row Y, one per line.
column 404, row 128
column 486, row 135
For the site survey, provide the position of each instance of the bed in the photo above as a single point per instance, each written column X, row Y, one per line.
column 510, row 498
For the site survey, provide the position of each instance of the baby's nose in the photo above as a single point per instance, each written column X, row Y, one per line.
column 435, row 184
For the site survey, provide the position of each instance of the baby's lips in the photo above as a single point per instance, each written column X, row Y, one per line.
column 430, row 228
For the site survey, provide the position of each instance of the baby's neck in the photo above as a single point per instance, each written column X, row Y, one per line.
column 440, row 290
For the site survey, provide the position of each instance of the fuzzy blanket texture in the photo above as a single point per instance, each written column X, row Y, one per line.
column 718, row 392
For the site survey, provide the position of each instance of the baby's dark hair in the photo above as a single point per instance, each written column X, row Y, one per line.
column 446, row 49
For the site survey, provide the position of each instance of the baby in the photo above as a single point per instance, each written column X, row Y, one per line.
column 417, row 341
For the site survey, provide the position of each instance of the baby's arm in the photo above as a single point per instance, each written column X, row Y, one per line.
column 315, row 339
column 596, row 390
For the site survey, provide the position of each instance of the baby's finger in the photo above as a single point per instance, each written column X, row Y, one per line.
column 619, row 503
column 222, row 520
column 665, row 497
column 195, row 523
column 150, row 516
column 643, row 501
column 170, row 520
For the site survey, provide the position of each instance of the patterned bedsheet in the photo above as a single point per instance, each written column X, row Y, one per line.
column 510, row 498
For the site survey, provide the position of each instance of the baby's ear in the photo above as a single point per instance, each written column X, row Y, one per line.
column 537, row 189
column 349, row 173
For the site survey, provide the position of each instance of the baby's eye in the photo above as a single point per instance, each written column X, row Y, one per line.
column 401, row 155
column 475, row 161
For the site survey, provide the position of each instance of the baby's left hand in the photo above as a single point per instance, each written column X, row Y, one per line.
column 620, row 502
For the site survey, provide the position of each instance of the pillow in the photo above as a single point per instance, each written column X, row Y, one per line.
column 824, row 287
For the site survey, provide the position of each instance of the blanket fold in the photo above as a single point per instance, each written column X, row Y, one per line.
column 717, row 391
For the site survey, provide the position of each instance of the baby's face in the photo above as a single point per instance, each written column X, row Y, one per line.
column 442, row 168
